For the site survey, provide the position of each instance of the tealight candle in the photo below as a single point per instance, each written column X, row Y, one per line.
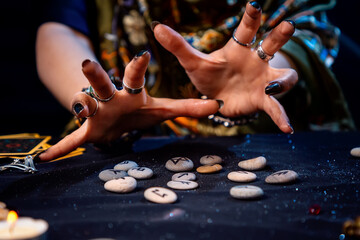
column 22, row 228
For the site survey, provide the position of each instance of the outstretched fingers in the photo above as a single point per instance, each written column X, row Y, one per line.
column 66, row 145
column 277, row 113
column 249, row 23
column 173, row 42
column 135, row 72
column 98, row 79
column 278, row 37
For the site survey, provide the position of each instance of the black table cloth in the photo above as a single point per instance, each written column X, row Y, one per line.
column 69, row 195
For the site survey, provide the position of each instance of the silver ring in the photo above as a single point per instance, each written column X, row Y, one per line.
column 263, row 55
column 106, row 99
column 96, row 109
column 133, row 90
column 243, row 44
column 91, row 92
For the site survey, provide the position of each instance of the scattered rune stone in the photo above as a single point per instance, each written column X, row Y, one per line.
column 253, row 164
column 160, row 195
column 209, row 169
column 140, row 172
column 246, row 192
column 110, row 174
column 184, row 176
column 179, row 164
column 210, row 160
column 125, row 165
column 3, row 214
column 121, row 185
column 182, row 184
column 355, row 152
column 2, row 205
column 241, row 176
column 283, row 176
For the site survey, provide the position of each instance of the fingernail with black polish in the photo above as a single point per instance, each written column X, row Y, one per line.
column 255, row 5
column 85, row 62
column 141, row 53
column 292, row 23
column 153, row 25
column 273, row 89
column 220, row 102
column 78, row 108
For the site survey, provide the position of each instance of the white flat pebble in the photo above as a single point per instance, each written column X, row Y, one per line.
column 355, row 152
column 210, row 160
column 184, row 176
column 140, row 172
column 160, row 195
column 253, row 164
column 182, row 185
column 283, row 176
column 246, row 192
column 179, row 164
column 125, row 165
column 110, row 174
column 121, row 185
column 241, row 176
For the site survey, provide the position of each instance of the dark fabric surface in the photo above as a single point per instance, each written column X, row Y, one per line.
column 69, row 195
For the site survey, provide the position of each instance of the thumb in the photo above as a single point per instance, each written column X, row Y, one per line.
column 196, row 108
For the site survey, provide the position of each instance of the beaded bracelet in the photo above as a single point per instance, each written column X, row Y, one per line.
column 230, row 122
column 218, row 118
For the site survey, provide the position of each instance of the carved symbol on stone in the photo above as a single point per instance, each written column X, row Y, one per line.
column 155, row 191
column 281, row 173
column 184, row 174
column 178, row 159
column 184, row 182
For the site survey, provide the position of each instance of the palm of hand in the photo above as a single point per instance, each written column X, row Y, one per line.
column 115, row 118
column 238, row 78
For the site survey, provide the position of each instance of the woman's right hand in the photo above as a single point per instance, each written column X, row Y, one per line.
column 107, row 121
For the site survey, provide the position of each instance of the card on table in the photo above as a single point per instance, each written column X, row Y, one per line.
column 21, row 145
column 24, row 144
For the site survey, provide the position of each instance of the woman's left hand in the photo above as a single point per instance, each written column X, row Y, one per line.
column 235, row 73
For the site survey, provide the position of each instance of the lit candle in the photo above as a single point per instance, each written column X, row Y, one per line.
column 22, row 228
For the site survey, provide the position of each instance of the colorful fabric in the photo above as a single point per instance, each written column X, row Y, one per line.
column 315, row 103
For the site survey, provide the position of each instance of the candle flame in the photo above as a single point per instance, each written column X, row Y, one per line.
column 12, row 217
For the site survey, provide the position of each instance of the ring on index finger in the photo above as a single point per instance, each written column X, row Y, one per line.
column 116, row 82
column 91, row 92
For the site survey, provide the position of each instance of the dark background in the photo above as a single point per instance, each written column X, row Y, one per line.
column 26, row 105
